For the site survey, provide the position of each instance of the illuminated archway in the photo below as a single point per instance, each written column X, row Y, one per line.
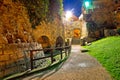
column 76, row 33
column 44, row 41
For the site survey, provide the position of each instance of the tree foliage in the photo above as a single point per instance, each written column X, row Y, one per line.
column 17, row 17
column 55, row 9
column 103, row 15
column 39, row 10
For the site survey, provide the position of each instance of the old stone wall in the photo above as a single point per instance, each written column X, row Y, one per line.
column 70, row 26
column 15, row 27
column 14, row 22
column 51, row 29
column 8, row 55
column 15, row 58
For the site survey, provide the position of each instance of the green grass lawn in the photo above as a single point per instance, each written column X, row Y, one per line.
column 107, row 52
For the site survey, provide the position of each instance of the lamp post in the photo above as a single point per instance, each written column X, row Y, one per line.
column 68, row 18
column 87, row 4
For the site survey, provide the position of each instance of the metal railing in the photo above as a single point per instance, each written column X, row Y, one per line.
column 29, row 59
column 52, row 54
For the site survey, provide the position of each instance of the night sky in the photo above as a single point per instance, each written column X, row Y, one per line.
column 74, row 5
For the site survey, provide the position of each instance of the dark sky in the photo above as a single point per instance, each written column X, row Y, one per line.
column 74, row 5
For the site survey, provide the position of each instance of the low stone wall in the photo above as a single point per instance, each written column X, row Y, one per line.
column 15, row 58
column 110, row 32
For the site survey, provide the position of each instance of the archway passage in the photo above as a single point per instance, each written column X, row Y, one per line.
column 59, row 42
column 45, row 42
column 76, row 36
column 76, row 33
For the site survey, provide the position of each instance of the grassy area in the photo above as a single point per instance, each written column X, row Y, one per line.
column 107, row 52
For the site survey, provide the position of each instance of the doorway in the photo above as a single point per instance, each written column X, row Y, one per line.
column 76, row 33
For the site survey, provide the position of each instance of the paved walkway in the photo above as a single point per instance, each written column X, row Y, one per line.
column 79, row 66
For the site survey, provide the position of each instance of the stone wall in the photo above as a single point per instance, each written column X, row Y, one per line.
column 110, row 32
column 14, row 22
column 51, row 29
column 70, row 26
column 15, row 58
column 15, row 27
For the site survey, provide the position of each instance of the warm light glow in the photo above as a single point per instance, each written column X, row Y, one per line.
column 68, row 15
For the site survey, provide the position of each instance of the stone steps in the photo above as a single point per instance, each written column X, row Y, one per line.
column 75, row 41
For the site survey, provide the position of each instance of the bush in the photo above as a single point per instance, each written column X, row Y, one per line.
column 118, row 31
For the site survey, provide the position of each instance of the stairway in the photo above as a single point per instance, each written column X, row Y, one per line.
column 75, row 41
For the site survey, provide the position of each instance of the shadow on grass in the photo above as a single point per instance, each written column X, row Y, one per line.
column 85, row 50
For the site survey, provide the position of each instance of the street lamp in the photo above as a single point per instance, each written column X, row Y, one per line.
column 87, row 4
column 68, row 20
column 68, row 15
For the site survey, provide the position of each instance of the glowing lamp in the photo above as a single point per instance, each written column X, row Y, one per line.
column 68, row 15
column 87, row 3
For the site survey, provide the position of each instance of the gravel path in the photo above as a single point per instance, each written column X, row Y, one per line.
column 79, row 66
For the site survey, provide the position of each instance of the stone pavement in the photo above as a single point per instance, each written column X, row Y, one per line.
column 79, row 66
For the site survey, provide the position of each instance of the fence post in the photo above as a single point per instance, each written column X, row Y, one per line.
column 51, row 56
column 65, row 51
column 61, row 54
column 66, row 47
column 69, row 49
column 31, row 59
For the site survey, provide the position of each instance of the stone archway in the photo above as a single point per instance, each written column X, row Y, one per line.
column 59, row 42
column 76, row 33
column 45, row 42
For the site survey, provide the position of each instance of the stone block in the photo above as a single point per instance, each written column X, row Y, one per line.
column 1, row 52
column 1, row 46
column 20, row 56
column 4, row 57
column 2, row 64
column 1, row 74
column 7, row 1
column 7, row 52
column 110, row 32
column 89, row 39
column 13, row 57
column 10, row 71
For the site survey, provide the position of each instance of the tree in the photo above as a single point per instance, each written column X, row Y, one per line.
column 103, row 14
column 55, row 9
column 40, row 10
column 37, row 10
